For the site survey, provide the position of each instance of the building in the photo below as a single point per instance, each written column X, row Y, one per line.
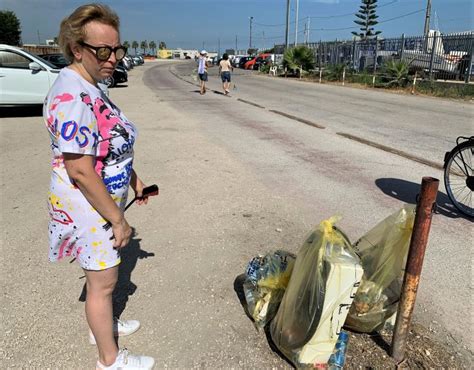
column 181, row 54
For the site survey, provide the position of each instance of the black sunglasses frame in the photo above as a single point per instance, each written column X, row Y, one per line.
column 108, row 48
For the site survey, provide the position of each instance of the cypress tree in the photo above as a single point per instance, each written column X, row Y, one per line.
column 367, row 18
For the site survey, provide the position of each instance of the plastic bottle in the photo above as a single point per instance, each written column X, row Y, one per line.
column 338, row 357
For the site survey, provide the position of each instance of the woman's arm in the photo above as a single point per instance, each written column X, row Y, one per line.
column 80, row 169
column 137, row 185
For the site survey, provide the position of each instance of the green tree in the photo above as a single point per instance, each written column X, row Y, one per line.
column 135, row 46
column 162, row 45
column 10, row 29
column 252, row 51
column 152, row 46
column 300, row 58
column 144, row 46
column 367, row 18
column 126, row 44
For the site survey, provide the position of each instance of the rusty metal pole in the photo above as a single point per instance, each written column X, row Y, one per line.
column 416, row 253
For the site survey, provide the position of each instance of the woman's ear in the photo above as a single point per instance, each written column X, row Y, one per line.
column 76, row 51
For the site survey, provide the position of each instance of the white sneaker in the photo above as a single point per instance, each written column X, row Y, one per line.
column 122, row 328
column 126, row 361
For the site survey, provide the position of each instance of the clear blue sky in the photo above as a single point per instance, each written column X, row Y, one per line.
column 198, row 23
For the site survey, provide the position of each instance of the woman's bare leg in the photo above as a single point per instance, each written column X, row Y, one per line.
column 100, row 285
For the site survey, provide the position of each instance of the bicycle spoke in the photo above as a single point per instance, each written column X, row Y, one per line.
column 458, row 175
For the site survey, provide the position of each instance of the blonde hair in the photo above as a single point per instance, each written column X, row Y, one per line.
column 72, row 28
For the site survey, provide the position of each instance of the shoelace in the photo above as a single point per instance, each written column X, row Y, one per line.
column 129, row 359
column 124, row 353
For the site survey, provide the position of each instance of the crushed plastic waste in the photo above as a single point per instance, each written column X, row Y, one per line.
column 266, row 280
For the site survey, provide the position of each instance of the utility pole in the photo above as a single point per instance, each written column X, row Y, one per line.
column 263, row 36
column 309, row 20
column 427, row 18
column 236, row 44
column 203, row 45
column 39, row 40
column 296, row 23
column 287, row 34
column 250, row 42
column 218, row 47
column 306, row 33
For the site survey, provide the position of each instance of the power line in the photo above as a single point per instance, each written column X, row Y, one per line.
column 355, row 27
column 320, row 17
column 350, row 14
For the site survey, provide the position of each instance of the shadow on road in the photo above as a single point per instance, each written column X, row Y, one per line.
column 407, row 192
column 26, row 111
column 125, row 287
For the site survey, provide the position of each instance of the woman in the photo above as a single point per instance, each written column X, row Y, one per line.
column 224, row 70
column 92, row 143
column 202, row 71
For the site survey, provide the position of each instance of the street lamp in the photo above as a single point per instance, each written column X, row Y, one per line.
column 250, row 42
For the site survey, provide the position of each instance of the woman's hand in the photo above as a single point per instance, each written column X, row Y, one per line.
column 122, row 233
column 137, row 185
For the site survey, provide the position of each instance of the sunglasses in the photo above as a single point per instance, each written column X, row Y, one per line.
column 103, row 52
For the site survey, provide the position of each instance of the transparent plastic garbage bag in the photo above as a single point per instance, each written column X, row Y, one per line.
column 266, row 279
column 325, row 277
column 383, row 252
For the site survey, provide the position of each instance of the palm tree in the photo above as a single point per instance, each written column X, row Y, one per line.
column 135, row 46
column 299, row 58
column 126, row 44
column 162, row 45
column 152, row 46
column 144, row 46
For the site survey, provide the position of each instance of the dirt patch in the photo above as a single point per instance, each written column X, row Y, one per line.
column 372, row 351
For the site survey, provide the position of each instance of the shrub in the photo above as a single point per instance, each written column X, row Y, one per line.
column 395, row 73
column 299, row 58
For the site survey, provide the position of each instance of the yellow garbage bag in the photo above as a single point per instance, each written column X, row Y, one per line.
column 383, row 253
column 325, row 277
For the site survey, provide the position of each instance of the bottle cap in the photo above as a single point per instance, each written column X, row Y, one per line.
column 343, row 335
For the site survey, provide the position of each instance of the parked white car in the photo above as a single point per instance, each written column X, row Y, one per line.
column 24, row 78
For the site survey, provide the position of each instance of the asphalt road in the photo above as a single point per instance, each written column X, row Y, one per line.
column 236, row 180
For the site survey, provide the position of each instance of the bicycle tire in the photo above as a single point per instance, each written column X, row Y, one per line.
column 459, row 177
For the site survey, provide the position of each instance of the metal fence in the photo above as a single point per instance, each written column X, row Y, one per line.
column 436, row 56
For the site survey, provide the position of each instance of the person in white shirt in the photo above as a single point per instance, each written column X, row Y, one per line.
column 202, row 70
column 92, row 169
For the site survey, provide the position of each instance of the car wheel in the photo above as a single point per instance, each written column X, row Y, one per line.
column 109, row 81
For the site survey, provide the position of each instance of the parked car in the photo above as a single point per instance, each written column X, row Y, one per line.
column 127, row 62
column 120, row 75
column 25, row 78
column 244, row 60
column 257, row 61
column 56, row 59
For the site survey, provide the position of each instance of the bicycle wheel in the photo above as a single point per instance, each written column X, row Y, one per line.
column 459, row 177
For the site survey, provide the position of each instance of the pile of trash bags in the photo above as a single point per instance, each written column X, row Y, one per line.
column 305, row 301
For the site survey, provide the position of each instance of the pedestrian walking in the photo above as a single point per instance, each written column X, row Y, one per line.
column 202, row 71
column 224, row 71
column 92, row 169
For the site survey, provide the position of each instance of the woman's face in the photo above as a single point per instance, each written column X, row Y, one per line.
column 97, row 34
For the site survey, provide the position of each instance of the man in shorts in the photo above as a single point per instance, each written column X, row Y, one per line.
column 224, row 70
column 202, row 71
